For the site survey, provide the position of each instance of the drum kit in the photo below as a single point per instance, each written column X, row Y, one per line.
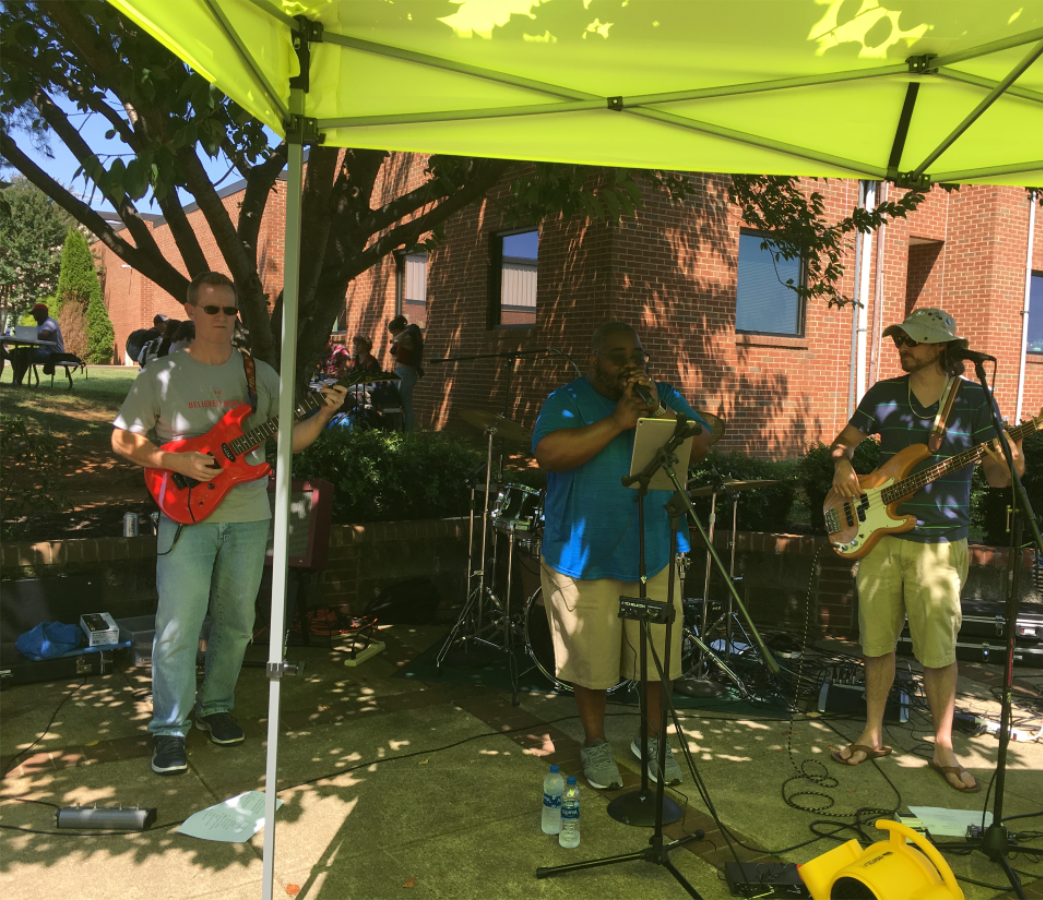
column 513, row 514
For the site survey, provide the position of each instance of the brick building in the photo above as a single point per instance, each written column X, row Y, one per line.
column 702, row 293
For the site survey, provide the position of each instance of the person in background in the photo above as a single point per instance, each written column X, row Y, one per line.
column 407, row 347
column 138, row 339
column 47, row 329
column 335, row 360
column 364, row 360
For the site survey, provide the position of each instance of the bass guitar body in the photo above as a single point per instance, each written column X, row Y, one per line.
column 189, row 502
column 855, row 526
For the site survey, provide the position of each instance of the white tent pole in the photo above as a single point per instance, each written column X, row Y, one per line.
column 863, row 299
column 1033, row 199
column 283, row 476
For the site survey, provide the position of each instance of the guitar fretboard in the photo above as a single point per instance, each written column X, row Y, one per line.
column 250, row 440
column 913, row 483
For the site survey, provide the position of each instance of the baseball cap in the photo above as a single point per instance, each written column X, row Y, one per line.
column 40, row 307
column 928, row 326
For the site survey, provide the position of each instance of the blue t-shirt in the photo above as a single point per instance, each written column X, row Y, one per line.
column 591, row 528
column 943, row 507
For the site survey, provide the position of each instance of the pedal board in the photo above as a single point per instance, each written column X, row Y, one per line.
column 764, row 880
column 844, row 691
column 657, row 612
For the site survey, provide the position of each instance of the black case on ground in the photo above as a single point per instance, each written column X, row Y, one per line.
column 18, row 669
column 981, row 636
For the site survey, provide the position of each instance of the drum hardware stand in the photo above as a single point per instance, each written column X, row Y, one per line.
column 646, row 807
column 472, row 613
column 701, row 685
column 995, row 841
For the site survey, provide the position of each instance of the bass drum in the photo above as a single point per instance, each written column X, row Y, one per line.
column 540, row 646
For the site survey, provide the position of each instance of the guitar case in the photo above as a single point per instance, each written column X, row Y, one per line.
column 981, row 636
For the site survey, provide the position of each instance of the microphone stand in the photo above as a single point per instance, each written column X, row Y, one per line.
column 995, row 842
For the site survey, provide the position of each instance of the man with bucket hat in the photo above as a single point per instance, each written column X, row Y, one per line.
column 919, row 573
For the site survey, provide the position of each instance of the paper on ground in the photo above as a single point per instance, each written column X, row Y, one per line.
column 236, row 820
column 948, row 822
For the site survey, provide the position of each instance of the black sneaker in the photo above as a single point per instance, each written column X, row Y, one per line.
column 168, row 755
column 221, row 727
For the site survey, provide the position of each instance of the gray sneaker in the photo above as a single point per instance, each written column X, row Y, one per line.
column 599, row 768
column 673, row 770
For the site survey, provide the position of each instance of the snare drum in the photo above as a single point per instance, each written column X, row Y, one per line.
column 540, row 645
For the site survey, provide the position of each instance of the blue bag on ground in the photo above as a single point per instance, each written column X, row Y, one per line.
column 49, row 640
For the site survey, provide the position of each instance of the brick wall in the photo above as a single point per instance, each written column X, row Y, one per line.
column 671, row 271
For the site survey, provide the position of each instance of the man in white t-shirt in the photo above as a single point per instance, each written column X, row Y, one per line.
column 216, row 563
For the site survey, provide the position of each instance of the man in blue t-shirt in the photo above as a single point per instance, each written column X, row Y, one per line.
column 919, row 573
column 584, row 438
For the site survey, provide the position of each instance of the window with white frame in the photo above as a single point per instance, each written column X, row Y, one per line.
column 411, row 287
column 515, row 258
column 766, row 302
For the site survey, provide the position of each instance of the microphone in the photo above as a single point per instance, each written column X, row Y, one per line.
column 970, row 355
column 644, row 393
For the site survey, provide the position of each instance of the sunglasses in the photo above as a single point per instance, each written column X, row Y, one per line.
column 619, row 358
column 230, row 311
column 903, row 340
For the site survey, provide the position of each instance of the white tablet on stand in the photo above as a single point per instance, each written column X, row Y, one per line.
column 651, row 435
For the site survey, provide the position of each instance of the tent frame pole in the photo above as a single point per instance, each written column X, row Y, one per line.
column 283, row 479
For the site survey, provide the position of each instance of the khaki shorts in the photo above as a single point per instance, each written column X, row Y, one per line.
column 900, row 578
column 593, row 647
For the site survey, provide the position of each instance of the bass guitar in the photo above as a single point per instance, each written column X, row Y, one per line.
column 855, row 526
column 188, row 501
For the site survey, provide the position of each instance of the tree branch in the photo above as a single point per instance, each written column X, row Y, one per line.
column 255, row 198
column 54, row 117
column 156, row 269
column 487, row 174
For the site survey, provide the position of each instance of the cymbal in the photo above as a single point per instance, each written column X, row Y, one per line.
column 732, row 486
column 717, row 426
column 497, row 424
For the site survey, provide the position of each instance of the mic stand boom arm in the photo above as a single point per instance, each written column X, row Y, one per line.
column 666, row 460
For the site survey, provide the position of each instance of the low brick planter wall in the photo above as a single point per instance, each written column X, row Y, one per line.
column 777, row 571
column 362, row 560
column 782, row 573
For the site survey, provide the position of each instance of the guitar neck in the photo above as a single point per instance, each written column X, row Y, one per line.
column 251, row 439
column 255, row 437
column 913, row 483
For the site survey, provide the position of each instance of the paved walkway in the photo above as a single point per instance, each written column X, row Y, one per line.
column 398, row 788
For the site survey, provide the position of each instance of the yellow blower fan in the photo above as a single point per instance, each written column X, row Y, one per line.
column 888, row 870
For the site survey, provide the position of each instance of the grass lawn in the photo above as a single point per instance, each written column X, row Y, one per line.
column 84, row 413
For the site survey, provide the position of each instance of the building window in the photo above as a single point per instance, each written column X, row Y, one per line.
column 515, row 257
column 1035, row 335
column 765, row 303
column 411, row 287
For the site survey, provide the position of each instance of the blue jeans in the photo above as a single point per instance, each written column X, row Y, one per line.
column 405, row 390
column 216, row 565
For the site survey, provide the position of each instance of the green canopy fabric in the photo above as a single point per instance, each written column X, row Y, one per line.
column 918, row 90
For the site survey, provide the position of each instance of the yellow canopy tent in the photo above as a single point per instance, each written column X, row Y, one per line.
column 914, row 91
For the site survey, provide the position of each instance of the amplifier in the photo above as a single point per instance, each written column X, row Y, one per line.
column 844, row 691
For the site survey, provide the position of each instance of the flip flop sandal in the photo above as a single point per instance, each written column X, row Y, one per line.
column 869, row 752
column 945, row 771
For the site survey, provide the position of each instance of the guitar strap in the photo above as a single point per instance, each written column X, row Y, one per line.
column 251, row 378
column 945, row 407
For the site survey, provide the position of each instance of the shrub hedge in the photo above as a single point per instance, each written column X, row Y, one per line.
column 381, row 476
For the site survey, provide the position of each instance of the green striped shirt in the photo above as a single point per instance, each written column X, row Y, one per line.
column 943, row 507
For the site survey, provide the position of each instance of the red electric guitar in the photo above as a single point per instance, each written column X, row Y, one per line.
column 188, row 501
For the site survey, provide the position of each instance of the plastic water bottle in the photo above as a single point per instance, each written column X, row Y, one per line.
column 569, row 834
column 553, row 785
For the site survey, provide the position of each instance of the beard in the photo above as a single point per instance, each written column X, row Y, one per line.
column 610, row 383
column 911, row 365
